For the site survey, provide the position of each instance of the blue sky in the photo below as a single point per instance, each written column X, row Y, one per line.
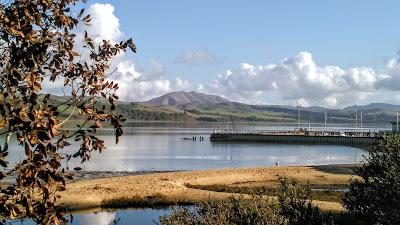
column 198, row 40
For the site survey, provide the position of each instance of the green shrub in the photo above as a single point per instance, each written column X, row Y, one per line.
column 296, row 207
column 375, row 199
column 231, row 211
column 292, row 207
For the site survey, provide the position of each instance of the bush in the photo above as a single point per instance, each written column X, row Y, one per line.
column 292, row 207
column 296, row 207
column 375, row 199
column 232, row 211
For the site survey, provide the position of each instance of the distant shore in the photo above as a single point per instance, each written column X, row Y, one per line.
column 157, row 189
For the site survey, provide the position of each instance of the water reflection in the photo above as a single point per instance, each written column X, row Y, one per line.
column 101, row 218
column 163, row 148
column 144, row 216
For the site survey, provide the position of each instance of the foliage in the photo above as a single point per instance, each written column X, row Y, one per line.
column 37, row 45
column 232, row 211
column 296, row 207
column 375, row 198
column 293, row 207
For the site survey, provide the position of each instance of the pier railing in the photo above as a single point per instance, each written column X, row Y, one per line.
column 352, row 132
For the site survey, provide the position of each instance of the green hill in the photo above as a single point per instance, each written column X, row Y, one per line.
column 192, row 107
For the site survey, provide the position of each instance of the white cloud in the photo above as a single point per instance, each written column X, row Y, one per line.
column 196, row 57
column 104, row 23
column 100, row 218
column 391, row 80
column 138, row 85
column 298, row 80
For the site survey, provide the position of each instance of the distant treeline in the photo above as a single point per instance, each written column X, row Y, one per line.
column 136, row 112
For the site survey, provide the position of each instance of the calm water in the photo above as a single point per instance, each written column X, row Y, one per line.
column 147, row 147
column 122, row 217
column 164, row 149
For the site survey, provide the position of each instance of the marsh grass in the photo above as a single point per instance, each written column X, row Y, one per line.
column 152, row 201
column 324, row 193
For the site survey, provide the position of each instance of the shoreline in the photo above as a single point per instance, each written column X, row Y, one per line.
column 158, row 189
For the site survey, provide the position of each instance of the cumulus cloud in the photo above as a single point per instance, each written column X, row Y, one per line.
column 299, row 80
column 100, row 218
column 391, row 80
column 197, row 57
column 104, row 23
column 138, row 85
column 135, row 83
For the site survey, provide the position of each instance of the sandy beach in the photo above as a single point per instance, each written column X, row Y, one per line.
column 172, row 188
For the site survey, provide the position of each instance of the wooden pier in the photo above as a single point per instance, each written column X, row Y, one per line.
column 354, row 138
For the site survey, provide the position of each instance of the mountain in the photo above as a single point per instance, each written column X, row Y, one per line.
column 188, row 100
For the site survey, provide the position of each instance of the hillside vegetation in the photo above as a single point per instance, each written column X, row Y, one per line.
column 193, row 106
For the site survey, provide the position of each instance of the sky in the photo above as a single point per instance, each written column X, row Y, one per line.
column 304, row 52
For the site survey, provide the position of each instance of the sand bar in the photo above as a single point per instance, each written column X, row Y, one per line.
column 171, row 188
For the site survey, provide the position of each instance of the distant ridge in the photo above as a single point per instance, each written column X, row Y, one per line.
column 212, row 107
column 374, row 106
column 183, row 99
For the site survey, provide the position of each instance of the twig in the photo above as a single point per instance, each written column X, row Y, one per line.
column 73, row 110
